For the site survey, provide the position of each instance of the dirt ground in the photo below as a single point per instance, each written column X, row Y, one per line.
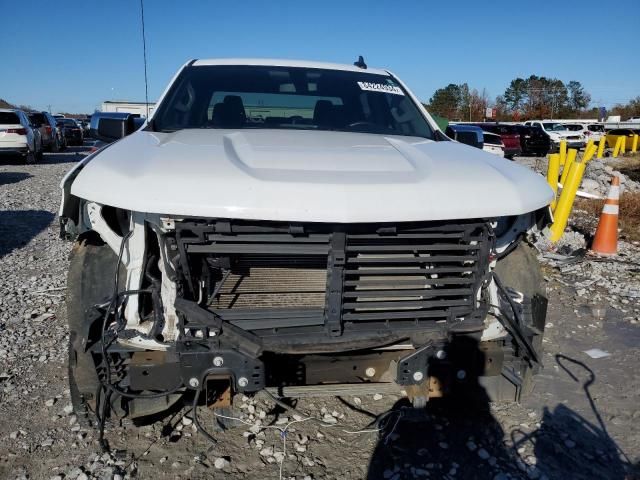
column 582, row 420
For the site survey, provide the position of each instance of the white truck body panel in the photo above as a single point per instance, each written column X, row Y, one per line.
column 300, row 176
column 281, row 62
column 312, row 176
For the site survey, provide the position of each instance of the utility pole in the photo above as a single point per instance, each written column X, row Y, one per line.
column 49, row 108
column 553, row 102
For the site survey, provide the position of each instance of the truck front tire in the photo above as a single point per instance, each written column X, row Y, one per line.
column 521, row 271
column 89, row 282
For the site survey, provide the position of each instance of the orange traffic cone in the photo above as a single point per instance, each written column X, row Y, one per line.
column 606, row 240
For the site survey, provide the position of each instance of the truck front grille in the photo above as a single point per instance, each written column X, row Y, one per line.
column 336, row 277
column 426, row 275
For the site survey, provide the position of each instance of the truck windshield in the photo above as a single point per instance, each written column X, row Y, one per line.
column 243, row 97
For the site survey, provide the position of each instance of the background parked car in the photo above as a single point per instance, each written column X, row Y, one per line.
column 557, row 132
column 61, row 136
column 534, row 140
column 612, row 136
column 468, row 134
column 84, row 125
column 590, row 131
column 87, row 127
column 72, row 131
column 508, row 133
column 493, row 144
column 597, row 131
column 18, row 137
column 46, row 124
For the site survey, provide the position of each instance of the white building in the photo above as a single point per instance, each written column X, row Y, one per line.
column 128, row 107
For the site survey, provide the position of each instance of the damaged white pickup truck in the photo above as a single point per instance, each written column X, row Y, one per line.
column 301, row 228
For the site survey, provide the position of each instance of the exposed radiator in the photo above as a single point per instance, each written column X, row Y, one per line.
column 341, row 277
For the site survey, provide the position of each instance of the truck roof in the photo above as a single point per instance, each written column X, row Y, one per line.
column 276, row 62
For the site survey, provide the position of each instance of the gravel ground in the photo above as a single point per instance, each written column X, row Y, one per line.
column 581, row 421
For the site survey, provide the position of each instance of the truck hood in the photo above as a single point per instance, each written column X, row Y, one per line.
column 312, row 176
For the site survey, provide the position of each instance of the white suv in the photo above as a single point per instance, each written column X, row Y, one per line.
column 591, row 131
column 18, row 137
column 493, row 144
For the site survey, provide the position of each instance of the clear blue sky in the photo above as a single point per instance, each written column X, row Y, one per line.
column 73, row 55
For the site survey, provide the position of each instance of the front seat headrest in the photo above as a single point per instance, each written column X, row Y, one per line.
column 218, row 117
column 235, row 114
column 323, row 113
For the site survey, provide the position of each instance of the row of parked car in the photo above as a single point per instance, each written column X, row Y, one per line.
column 30, row 134
column 535, row 137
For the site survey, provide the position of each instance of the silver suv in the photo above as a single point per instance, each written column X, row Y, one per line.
column 52, row 139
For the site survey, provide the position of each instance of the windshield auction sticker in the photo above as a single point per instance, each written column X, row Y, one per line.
column 380, row 87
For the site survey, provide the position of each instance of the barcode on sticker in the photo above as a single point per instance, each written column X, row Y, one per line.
column 380, row 87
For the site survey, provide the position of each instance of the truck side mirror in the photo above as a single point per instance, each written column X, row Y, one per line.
column 113, row 127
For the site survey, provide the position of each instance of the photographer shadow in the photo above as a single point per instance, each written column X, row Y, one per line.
column 568, row 445
column 19, row 227
column 457, row 436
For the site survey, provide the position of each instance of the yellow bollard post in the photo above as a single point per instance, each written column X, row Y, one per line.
column 634, row 145
column 623, row 145
column 563, row 151
column 552, row 176
column 565, row 202
column 589, row 153
column 616, row 149
column 589, row 143
column 601, row 145
column 571, row 157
